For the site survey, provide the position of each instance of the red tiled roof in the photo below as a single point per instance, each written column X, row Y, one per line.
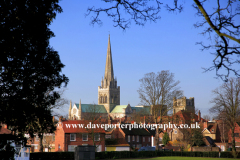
column 74, row 126
column 4, row 131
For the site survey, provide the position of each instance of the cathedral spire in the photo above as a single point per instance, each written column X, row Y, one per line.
column 109, row 76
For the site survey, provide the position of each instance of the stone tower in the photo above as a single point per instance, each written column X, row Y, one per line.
column 183, row 104
column 109, row 92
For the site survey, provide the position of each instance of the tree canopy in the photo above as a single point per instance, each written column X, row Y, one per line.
column 158, row 90
column 29, row 66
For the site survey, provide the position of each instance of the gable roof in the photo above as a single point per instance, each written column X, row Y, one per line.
column 212, row 126
column 209, row 141
column 206, row 130
column 92, row 108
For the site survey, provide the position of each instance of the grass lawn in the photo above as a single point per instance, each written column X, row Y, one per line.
column 181, row 158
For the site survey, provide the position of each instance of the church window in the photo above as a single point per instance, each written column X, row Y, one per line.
column 133, row 138
column 128, row 138
column 143, row 139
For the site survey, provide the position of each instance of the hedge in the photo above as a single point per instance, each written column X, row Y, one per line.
column 52, row 156
column 128, row 154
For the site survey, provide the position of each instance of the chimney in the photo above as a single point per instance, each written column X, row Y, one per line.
column 205, row 125
column 60, row 118
column 53, row 118
column 199, row 115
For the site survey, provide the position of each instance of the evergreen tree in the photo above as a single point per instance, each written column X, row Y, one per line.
column 197, row 138
column 166, row 138
column 29, row 67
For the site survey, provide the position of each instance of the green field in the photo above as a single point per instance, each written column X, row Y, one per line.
column 181, row 158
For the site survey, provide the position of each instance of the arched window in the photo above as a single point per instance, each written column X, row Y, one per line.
column 105, row 101
column 112, row 100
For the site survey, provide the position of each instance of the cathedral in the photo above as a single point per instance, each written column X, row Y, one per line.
column 108, row 98
column 183, row 104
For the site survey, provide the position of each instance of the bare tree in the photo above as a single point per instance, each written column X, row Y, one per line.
column 158, row 90
column 207, row 117
column 48, row 141
column 138, row 116
column 223, row 126
column 138, row 11
column 227, row 102
column 221, row 20
column 59, row 104
column 42, row 127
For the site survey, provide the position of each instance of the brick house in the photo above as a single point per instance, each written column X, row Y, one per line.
column 71, row 133
column 236, row 134
column 48, row 142
column 212, row 130
column 136, row 137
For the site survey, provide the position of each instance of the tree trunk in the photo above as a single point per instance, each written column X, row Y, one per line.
column 233, row 142
column 40, row 142
column 157, row 141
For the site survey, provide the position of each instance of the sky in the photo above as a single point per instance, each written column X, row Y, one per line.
column 168, row 44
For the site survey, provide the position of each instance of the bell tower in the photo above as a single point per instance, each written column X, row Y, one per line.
column 109, row 92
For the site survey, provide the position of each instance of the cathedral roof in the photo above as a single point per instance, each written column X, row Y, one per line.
column 144, row 110
column 119, row 108
column 92, row 108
